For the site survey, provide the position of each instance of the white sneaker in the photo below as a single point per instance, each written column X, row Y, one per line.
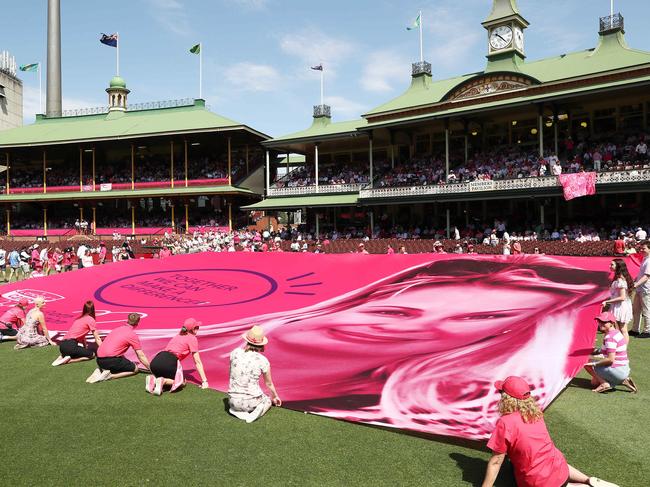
column 149, row 383
column 240, row 415
column 256, row 413
column 61, row 361
column 94, row 376
column 596, row 482
column 158, row 389
column 105, row 375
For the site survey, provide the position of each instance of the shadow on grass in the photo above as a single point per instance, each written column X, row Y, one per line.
column 581, row 383
column 473, row 469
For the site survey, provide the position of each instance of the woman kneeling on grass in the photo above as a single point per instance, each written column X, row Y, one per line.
column 614, row 368
column 14, row 316
column 521, row 434
column 34, row 332
column 73, row 347
column 246, row 399
column 166, row 369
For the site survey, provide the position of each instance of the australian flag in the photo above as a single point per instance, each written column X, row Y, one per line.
column 109, row 40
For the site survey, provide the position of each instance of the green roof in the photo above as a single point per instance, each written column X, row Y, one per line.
column 322, row 127
column 502, row 9
column 302, row 201
column 120, row 125
column 118, row 82
column 611, row 54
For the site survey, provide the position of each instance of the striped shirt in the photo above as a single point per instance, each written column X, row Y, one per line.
column 615, row 342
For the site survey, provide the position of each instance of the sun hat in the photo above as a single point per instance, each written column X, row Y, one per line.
column 191, row 324
column 606, row 317
column 23, row 302
column 514, row 386
column 255, row 336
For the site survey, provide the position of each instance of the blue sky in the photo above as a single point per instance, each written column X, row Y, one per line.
column 257, row 53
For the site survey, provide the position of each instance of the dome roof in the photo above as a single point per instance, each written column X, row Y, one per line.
column 118, row 82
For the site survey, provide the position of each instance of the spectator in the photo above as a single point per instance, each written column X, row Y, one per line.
column 641, row 305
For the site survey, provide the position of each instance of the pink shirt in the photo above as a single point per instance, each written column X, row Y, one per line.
column 536, row 461
column 80, row 328
column 183, row 345
column 14, row 315
column 118, row 342
column 615, row 342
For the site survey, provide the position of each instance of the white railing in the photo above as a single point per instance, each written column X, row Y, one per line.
column 321, row 189
column 500, row 185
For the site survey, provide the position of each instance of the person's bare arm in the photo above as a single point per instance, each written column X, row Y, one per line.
column 492, row 470
column 609, row 360
column 46, row 333
column 618, row 299
column 98, row 339
column 199, row 368
column 269, row 383
column 142, row 358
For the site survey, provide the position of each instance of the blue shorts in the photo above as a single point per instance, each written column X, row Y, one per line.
column 613, row 375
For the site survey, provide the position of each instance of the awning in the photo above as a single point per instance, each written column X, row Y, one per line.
column 303, row 201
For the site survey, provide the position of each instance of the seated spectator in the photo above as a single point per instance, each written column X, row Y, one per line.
column 34, row 332
column 13, row 317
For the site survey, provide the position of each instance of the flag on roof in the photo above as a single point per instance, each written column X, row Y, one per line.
column 416, row 23
column 109, row 40
column 318, row 68
column 29, row 67
column 196, row 49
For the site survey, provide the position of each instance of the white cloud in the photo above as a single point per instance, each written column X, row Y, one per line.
column 383, row 70
column 345, row 108
column 172, row 15
column 31, row 103
column 314, row 47
column 251, row 4
column 253, row 77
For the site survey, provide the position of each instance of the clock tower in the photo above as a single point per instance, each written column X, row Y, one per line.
column 505, row 28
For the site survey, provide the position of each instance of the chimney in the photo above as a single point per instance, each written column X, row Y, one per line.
column 53, row 104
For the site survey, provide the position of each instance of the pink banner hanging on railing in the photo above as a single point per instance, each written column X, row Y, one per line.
column 578, row 184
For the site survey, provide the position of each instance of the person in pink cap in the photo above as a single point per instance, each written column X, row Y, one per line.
column 609, row 365
column 12, row 319
column 521, row 434
column 246, row 399
column 166, row 369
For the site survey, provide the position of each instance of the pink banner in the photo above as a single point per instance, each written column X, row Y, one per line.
column 578, row 184
column 405, row 341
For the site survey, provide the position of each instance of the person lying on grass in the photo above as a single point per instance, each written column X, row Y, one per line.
column 12, row 319
column 73, row 347
column 614, row 368
column 521, row 434
column 111, row 362
column 246, row 399
column 166, row 368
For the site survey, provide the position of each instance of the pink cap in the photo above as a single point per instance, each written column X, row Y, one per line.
column 23, row 302
column 191, row 324
column 606, row 317
column 514, row 386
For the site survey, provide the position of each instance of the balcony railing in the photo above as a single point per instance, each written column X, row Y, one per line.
column 631, row 176
column 611, row 23
column 321, row 189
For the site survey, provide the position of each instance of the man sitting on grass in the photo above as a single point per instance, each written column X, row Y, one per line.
column 110, row 355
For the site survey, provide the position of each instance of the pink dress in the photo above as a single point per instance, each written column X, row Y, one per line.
column 29, row 334
column 622, row 310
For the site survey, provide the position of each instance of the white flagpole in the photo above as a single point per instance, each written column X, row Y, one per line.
column 421, row 51
column 201, row 70
column 40, row 88
column 322, row 77
column 117, row 54
column 611, row 14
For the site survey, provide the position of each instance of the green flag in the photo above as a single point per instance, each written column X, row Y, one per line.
column 196, row 49
column 29, row 67
column 416, row 24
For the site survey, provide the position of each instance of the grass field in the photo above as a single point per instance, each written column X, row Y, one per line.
column 58, row 430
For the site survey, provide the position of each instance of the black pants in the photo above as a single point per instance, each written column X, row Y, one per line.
column 164, row 364
column 72, row 349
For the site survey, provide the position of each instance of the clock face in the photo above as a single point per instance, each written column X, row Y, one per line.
column 501, row 37
column 519, row 39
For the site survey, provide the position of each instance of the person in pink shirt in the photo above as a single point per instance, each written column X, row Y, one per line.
column 111, row 362
column 610, row 366
column 73, row 347
column 390, row 250
column 13, row 317
column 165, row 252
column 166, row 368
column 521, row 434
column 102, row 253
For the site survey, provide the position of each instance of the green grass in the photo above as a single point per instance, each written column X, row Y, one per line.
column 58, row 430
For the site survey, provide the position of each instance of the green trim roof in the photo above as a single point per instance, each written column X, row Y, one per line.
column 612, row 53
column 137, row 193
column 303, row 201
column 120, row 125
column 297, row 159
column 322, row 127
column 502, row 9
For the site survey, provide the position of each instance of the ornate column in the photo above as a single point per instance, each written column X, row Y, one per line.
column 44, row 172
column 132, row 167
column 268, row 172
column 7, row 170
column 94, row 228
column 171, row 162
column 447, row 157
column 185, row 157
column 44, row 221
column 316, row 163
column 229, row 163
column 81, row 169
column 370, row 160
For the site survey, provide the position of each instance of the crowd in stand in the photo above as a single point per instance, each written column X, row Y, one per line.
column 305, row 176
